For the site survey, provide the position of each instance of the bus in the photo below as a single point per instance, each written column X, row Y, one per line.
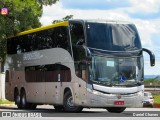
column 77, row 64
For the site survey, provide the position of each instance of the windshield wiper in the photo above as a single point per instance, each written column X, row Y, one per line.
column 128, row 47
column 139, row 83
column 103, row 83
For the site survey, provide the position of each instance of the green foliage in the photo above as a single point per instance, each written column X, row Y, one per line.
column 152, row 81
column 47, row 2
column 6, row 102
column 66, row 18
column 23, row 15
column 156, row 99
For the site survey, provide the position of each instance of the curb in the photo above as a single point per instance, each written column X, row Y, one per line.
column 5, row 105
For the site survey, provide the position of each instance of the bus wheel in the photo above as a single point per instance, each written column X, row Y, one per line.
column 58, row 108
column 116, row 109
column 17, row 99
column 23, row 100
column 68, row 103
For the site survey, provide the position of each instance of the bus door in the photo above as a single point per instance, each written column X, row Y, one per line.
column 78, row 47
column 57, row 75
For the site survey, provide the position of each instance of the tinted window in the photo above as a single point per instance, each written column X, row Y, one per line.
column 114, row 37
column 77, row 33
column 78, row 39
column 80, row 62
column 46, row 39
column 11, row 46
column 48, row 73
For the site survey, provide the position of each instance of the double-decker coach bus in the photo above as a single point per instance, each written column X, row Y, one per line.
column 77, row 64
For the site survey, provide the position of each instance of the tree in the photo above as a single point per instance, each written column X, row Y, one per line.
column 66, row 18
column 23, row 15
column 154, row 81
column 47, row 2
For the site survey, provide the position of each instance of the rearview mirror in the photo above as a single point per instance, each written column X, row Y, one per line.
column 152, row 56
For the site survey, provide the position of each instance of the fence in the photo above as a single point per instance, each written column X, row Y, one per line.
column 153, row 89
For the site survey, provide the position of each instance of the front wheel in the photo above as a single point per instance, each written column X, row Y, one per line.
column 116, row 109
column 68, row 104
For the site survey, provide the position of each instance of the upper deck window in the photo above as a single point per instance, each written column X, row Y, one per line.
column 45, row 39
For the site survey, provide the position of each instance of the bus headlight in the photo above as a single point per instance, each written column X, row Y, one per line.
column 95, row 92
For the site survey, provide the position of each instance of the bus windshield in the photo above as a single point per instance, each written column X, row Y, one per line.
column 116, row 71
column 113, row 37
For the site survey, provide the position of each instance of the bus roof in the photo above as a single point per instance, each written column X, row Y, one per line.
column 65, row 23
column 103, row 21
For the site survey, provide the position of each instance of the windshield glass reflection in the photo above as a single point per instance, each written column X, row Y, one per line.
column 113, row 37
column 116, row 71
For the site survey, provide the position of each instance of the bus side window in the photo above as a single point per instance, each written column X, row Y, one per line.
column 80, row 62
column 60, row 39
column 19, row 49
column 11, row 45
column 77, row 34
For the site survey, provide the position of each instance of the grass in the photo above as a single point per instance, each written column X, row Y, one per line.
column 156, row 99
column 6, row 102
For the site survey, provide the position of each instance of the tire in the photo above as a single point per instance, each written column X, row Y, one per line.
column 23, row 100
column 68, row 103
column 116, row 109
column 17, row 99
column 58, row 108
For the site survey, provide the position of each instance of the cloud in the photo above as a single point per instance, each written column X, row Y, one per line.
column 148, row 70
column 58, row 11
column 145, row 15
column 46, row 20
column 144, row 6
column 94, row 4
column 144, row 9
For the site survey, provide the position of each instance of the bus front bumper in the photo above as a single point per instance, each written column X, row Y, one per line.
column 100, row 99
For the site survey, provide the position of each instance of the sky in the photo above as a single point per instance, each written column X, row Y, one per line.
column 145, row 14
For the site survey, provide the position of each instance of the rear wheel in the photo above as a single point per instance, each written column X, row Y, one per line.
column 17, row 99
column 24, row 103
column 116, row 109
column 23, row 99
column 68, row 103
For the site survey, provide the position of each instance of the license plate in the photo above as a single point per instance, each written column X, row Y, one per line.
column 118, row 102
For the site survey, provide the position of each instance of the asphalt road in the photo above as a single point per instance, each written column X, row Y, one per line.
column 48, row 112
